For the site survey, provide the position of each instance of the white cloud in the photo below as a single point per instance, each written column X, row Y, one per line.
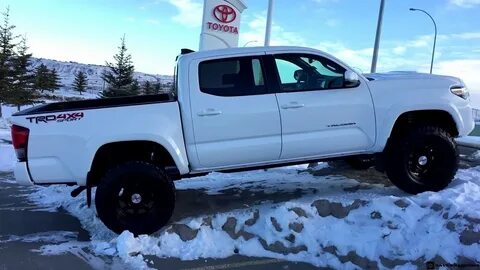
column 466, row 69
column 421, row 41
column 399, row 50
column 255, row 30
column 190, row 12
column 465, row 3
column 467, row 35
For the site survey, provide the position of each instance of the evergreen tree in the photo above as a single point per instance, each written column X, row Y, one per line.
column 53, row 80
column 22, row 90
column 7, row 45
column 42, row 77
column 134, row 88
column 119, row 76
column 81, row 82
column 157, row 88
column 147, row 88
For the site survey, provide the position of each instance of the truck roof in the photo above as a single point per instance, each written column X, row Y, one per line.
column 246, row 50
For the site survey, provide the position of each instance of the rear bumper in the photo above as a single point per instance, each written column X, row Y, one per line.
column 21, row 174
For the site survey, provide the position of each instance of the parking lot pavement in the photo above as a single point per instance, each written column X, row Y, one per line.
column 26, row 227
column 20, row 218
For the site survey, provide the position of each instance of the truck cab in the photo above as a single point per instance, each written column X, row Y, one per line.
column 260, row 107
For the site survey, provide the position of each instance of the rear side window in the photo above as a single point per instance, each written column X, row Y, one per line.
column 232, row 77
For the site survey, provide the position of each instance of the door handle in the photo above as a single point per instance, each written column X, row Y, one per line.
column 209, row 112
column 293, row 105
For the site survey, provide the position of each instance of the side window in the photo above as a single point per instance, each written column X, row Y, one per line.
column 258, row 73
column 232, row 77
column 299, row 72
column 286, row 71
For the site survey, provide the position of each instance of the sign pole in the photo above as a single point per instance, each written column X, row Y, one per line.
column 269, row 23
column 377, row 37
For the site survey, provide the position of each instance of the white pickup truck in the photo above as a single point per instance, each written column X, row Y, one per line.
column 242, row 109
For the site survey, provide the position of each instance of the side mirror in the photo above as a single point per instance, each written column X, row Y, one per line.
column 351, row 79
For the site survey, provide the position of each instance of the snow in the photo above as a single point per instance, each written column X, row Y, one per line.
column 50, row 237
column 7, row 154
column 374, row 222
column 68, row 93
column 7, row 158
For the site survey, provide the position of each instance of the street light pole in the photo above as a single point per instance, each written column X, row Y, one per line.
column 268, row 31
column 377, row 37
column 434, row 40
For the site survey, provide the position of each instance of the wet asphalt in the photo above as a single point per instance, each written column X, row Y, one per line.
column 19, row 217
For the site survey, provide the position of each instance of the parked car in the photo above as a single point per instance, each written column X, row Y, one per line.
column 242, row 109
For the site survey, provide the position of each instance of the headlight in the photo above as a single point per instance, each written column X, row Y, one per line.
column 461, row 91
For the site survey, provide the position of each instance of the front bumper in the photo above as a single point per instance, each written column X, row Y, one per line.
column 21, row 174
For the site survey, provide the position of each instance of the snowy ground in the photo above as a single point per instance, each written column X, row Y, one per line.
column 332, row 222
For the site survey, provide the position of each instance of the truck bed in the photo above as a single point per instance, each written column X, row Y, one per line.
column 97, row 104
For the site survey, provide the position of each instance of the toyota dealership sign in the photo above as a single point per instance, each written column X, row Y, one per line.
column 225, row 15
column 221, row 23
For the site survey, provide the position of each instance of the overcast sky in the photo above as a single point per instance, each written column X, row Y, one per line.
column 89, row 31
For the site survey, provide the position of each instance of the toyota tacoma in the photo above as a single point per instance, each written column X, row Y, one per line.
column 242, row 109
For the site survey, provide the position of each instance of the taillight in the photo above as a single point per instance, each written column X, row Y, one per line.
column 20, row 141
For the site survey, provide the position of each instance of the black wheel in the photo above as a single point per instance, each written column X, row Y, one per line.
column 135, row 196
column 361, row 162
column 424, row 159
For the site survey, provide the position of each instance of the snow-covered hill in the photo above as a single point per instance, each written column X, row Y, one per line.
column 67, row 71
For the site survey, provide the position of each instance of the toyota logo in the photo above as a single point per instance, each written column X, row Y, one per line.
column 224, row 13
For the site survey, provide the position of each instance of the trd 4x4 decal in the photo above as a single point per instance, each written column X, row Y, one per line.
column 63, row 117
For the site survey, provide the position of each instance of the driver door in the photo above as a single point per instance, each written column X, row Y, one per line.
column 320, row 115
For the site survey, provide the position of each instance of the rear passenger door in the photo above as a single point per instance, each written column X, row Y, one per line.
column 235, row 117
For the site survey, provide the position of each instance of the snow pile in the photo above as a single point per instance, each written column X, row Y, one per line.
column 334, row 222
column 7, row 158
column 7, row 154
column 4, row 124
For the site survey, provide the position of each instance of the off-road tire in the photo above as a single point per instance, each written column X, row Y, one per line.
column 119, row 206
column 406, row 153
